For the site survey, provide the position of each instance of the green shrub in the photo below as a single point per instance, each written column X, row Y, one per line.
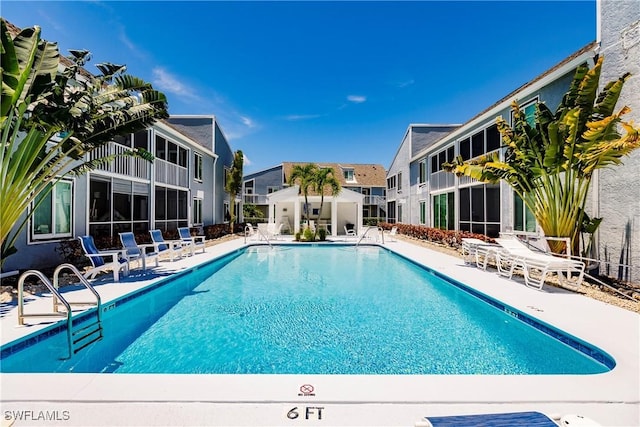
column 322, row 233
column 297, row 237
column 308, row 234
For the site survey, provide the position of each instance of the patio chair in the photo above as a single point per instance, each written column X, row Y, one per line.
column 537, row 265
column 351, row 232
column 136, row 252
column 273, row 231
column 250, row 232
column 170, row 248
column 103, row 261
column 194, row 242
column 393, row 233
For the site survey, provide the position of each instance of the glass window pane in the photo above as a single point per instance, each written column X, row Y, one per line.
column 493, row 138
column 436, row 212
column 161, row 148
column 450, row 212
column 493, row 230
column 63, row 207
column 530, row 220
column 518, row 214
column 493, row 203
column 182, row 204
column 172, row 152
column 465, row 148
column 465, row 205
column 161, row 203
column 477, row 144
column 172, row 204
column 477, row 204
column 121, row 207
column 141, row 140
column 434, row 164
column 43, row 217
column 477, row 228
column 140, row 208
column 100, row 196
column 450, row 154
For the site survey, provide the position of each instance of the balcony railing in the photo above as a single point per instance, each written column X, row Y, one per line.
column 374, row 200
column 255, row 199
column 170, row 173
column 122, row 165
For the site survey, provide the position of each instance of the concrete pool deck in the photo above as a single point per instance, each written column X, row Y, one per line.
column 611, row 399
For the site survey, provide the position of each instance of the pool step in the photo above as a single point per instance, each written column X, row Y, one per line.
column 86, row 335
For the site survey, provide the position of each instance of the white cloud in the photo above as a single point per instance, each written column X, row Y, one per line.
column 296, row 117
column 165, row 81
column 357, row 99
column 406, row 83
column 247, row 122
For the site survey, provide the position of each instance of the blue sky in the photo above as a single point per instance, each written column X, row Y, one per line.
column 320, row 81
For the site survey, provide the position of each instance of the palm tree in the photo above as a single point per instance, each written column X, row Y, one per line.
column 324, row 177
column 550, row 165
column 305, row 177
column 51, row 120
column 234, row 184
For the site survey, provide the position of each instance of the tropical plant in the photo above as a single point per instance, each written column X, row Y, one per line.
column 50, row 120
column 304, row 176
column 324, row 177
column 234, row 184
column 550, row 165
column 249, row 210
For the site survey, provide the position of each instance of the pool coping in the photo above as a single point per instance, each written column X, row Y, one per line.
column 610, row 398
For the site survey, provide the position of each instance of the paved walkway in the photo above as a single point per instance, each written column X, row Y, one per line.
column 611, row 399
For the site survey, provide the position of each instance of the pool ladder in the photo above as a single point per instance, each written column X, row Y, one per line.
column 380, row 231
column 79, row 338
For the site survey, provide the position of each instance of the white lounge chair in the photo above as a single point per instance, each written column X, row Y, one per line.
column 351, row 232
column 136, row 252
column 103, row 261
column 393, row 233
column 192, row 242
column 537, row 265
column 170, row 248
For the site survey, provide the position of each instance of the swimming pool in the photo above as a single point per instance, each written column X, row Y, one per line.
column 316, row 310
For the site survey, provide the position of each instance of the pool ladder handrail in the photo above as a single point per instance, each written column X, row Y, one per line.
column 367, row 230
column 247, row 231
column 75, row 343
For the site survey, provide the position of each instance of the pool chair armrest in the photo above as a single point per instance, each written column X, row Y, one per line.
column 114, row 254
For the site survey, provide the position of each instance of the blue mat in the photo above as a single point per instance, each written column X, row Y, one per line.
column 529, row 419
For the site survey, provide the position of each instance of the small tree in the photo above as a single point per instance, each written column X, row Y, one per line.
column 324, row 177
column 50, row 120
column 305, row 177
column 234, row 185
column 550, row 165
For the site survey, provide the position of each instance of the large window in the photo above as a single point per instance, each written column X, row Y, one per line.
column 391, row 212
column 399, row 183
column 529, row 110
column 349, row 175
column 117, row 206
column 171, row 208
column 481, row 142
column 171, row 152
column 523, row 219
column 52, row 217
column 443, row 211
column 480, row 209
column 391, row 182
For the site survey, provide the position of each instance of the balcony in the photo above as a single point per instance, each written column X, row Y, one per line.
column 121, row 165
column 255, row 199
column 170, row 173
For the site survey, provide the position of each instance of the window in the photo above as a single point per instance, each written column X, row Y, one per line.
column 272, row 189
column 227, row 170
column 422, row 171
column 171, row 208
column 480, row 209
column 481, row 142
column 391, row 212
column 423, row 212
column 443, row 211
column 399, row 212
column 399, row 183
column 197, row 212
column 197, row 167
column 391, row 182
column 349, row 175
column 52, row 216
column 529, row 110
column 444, row 156
column 523, row 219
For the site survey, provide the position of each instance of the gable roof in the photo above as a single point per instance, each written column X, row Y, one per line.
column 366, row 175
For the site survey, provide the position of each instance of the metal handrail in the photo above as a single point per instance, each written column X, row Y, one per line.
column 54, row 291
column 367, row 230
column 248, row 229
column 83, row 280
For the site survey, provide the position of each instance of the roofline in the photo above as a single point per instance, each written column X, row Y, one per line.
column 206, row 116
column 168, row 128
column 262, row 170
column 585, row 54
column 422, row 125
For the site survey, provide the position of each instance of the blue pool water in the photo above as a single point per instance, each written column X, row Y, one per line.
column 313, row 310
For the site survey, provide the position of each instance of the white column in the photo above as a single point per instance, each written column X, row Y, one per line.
column 296, row 215
column 334, row 217
column 272, row 213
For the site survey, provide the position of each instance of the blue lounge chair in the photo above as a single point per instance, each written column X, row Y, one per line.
column 163, row 247
column 136, row 252
column 512, row 419
column 193, row 242
column 102, row 261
